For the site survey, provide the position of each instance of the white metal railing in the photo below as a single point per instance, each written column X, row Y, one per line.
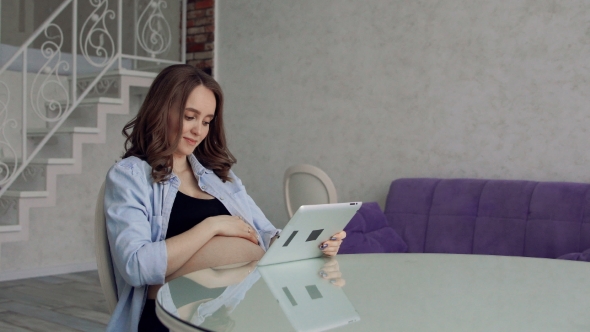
column 99, row 51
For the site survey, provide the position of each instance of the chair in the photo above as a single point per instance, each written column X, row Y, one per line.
column 306, row 184
column 104, row 262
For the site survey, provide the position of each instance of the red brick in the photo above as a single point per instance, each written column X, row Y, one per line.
column 200, row 38
column 195, row 47
column 210, row 28
column 204, row 4
column 191, row 39
column 190, row 4
column 201, row 63
column 203, row 55
column 194, row 30
column 204, row 21
column 195, row 14
column 209, row 46
column 211, row 37
column 210, row 12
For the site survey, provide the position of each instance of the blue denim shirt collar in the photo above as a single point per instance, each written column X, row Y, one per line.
column 198, row 169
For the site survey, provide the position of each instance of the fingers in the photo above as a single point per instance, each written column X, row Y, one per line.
column 331, row 265
column 330, row 274
column 330, row 248
column 340, row 235
column 237, row 226
column 338, row 282
column 251, row 235
column 249, row 232
column 331, row 271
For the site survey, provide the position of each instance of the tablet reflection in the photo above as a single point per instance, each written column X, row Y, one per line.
column 310, row 293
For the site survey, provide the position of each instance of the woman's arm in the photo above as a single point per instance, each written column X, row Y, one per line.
column 216, row 241
column 130, row 220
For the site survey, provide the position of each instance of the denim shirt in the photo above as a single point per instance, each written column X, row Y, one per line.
column 137, row 212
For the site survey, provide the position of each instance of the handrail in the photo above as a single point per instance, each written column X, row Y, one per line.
column 92, row 38
column 36, row 34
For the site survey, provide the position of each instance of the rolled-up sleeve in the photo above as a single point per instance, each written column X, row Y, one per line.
column 133, row 231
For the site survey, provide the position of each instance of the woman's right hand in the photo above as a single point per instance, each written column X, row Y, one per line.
column 331, row 271
column 232, row 226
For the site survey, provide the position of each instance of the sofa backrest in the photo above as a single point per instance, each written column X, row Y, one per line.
column 494, row 217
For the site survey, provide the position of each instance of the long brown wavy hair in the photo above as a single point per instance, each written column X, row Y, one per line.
column 147, row 133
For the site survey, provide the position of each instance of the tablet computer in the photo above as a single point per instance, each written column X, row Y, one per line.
column 310, row 226
column 310, row 302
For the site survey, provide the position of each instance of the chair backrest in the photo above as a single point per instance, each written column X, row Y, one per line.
column 106, row 274
column 306, row 184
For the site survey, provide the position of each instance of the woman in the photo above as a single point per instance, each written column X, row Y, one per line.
column 173, row 200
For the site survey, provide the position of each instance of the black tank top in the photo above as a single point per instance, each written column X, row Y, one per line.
column 188, row 211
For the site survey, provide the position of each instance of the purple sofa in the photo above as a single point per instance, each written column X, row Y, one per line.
column 488, row 217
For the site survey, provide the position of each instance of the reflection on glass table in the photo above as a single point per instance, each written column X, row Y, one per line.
column 310, row 294
column 390, row 292
column 206, row 298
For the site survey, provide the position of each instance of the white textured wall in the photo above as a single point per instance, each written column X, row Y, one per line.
column 375, row 90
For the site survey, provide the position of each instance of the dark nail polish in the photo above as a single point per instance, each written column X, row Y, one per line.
column 324, row 246
column 332, row 281
column 323, row 274
column 333, row 238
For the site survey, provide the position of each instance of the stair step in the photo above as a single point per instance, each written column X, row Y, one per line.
column 96, row 100
column 138, row 73
column 43, row 161
column 10, row 228
column 127, row 72
column 102, row 100
column 63, row 130
column 25, row 194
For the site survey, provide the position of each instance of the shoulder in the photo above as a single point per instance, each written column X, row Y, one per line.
column 234, row 178
column 130, row 168
column 235, row 183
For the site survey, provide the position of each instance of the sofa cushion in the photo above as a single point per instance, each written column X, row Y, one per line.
column 577, row 256
column 490, row 217
column 368, row 232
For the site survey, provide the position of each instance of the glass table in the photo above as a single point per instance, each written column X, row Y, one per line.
column 383, row 292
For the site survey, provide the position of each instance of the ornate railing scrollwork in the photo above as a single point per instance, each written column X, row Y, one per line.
column 152, row 30
column 48, row 82
column 96, row 43
column 102, row 87
column 5, row 122
column 7, row 204
column 32, row 171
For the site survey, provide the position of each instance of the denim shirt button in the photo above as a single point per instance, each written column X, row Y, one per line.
column 203, row 187
column 220, row 198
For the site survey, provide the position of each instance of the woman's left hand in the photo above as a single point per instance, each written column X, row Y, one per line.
column 331, row 247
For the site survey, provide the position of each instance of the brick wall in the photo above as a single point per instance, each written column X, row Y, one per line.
column 200, row 27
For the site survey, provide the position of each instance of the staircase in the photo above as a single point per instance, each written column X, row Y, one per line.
column 43, row 136
column 36, row 185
